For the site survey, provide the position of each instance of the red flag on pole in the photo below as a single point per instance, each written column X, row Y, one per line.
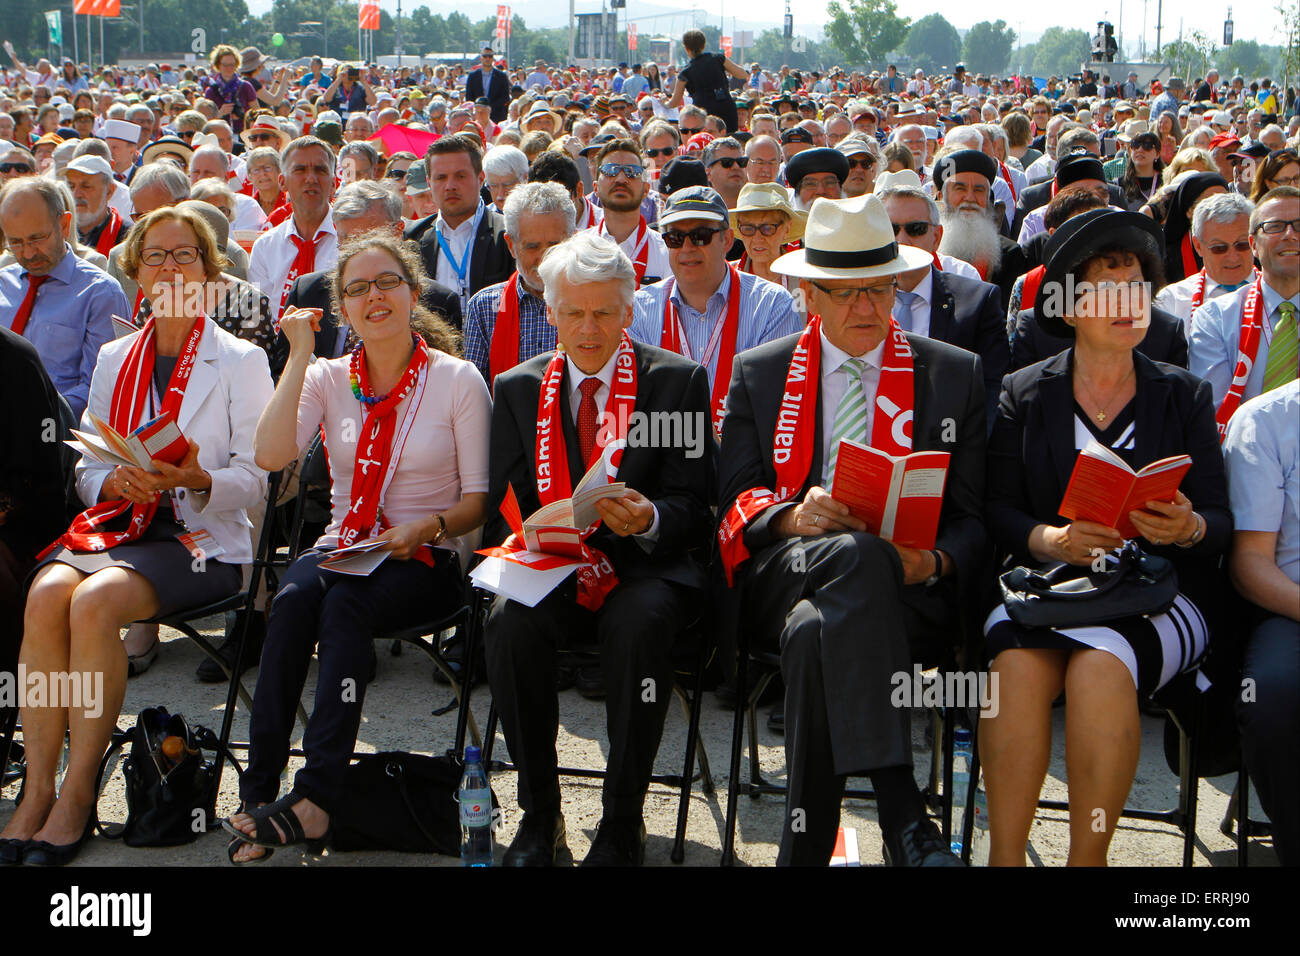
column 725, row 43
column 97, row 8
column 631, row 36
column 368, row 15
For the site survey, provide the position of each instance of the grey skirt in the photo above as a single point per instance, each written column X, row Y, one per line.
column 165, row 562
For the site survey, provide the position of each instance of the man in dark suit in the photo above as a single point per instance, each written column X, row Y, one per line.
column 496, row 87
column 463, row 245
column 945, row 306
column 1166, row 340
column 650, row 543
column 849, row 610
column 358, row 208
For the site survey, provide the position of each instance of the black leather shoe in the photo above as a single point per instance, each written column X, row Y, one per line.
column 539, row 842
column 11, row 851
column 617, row 843
column 590, row 682
column 209, row 672
column 919, row 844
column 40, row 853
column 776, row 718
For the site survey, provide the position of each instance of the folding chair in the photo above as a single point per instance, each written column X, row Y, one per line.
column 1182, row 816
column 1238, row 809
column 942, row 738
column 691, row 702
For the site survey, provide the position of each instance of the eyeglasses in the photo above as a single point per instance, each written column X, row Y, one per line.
column 700, row 237
column 916, row 228
column 35, row 241
column 630, row 170
column 1219, row 248
column 726, row 162
column 826, row 182
column 1275, row 227
column 15, row 168
column 262, row 137
column 880, row 296
column 386, row 282
column 181, row 255
column 665, row 151
column 856, row 163
column 686, row 133
column 767, row 228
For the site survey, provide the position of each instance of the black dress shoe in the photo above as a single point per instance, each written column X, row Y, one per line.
column 776, row 718
column 590, row 682
column 617, row 843
column 539, row 842
column 40, row 853
column 209, row 671
column 11, row 851
column 919, row 844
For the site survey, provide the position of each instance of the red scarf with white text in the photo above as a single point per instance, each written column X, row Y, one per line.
column 504, row 354
column 379, row 447
column 722, row 341
column 125, row 415
column 792, row 441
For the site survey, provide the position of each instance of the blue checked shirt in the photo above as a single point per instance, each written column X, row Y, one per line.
column 536, row 335
column 766, row 313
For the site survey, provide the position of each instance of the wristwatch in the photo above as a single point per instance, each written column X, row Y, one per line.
column 442, row 530
column 933, row 579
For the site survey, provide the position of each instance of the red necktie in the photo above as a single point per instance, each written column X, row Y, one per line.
column 25, row 310
column 587, row 417
column 305, row 261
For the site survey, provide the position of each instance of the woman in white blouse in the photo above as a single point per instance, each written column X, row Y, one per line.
column 406, row 427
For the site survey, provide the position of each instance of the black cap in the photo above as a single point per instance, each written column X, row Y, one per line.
column 820, row 160
column 796, row 134
column 965, row 161
column 681, row 172
column 597, row 142
column 1078, row 166
column 482, row 101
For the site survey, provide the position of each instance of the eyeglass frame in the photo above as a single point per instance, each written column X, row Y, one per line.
column 675, row 239
column 355, row 283
column 858, row 291
column 198, row 254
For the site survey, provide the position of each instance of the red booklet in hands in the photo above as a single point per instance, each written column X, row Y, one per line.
column 1104, row 489
column 899, row 498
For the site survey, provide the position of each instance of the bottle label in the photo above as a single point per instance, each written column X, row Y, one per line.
column 476, row 808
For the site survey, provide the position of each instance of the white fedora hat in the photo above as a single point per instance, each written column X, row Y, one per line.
column 850, row 239
column 898, row 180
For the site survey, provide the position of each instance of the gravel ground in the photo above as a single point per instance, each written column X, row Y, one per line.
column 397, row 717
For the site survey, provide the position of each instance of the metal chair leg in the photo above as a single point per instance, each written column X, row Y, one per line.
column 737, row 742
column 688, row 773
column 1189, row 783
column 1242, row 796
column 972, row 788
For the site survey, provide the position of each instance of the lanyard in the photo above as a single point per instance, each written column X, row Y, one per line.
column 461, row 268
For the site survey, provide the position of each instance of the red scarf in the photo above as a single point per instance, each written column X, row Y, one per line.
column 1190, row 263
column 108, row 238
column 1006, row 177
column 1252, row 330
column 1029, row 291
column 792, row 442
column 280, row 211
column 641, row 250
column 937, row 264
column 722, row 340
column 597, row 578
column 376, row 457
column 1198, row 293
column 504, row 354
column 588, row 215
column 126, row 414
column 303, row 263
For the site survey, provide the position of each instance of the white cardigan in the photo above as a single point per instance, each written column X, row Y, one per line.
column 227, row 391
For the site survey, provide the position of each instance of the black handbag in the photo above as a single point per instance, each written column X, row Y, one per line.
column 168, row 798
column 400, row 801
column 1138, row 584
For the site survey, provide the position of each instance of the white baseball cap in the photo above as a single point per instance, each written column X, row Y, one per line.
column 88, row 163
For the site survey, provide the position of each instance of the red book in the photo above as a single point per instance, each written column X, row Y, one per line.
column 1104, row 489
column 899, row 498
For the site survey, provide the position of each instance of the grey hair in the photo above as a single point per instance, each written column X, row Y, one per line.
column 54, row 192
column 1075, row 138
column 658, row 127
column 1223, row 208
column 140, row 110
column 506, row 160
column 352, row 120
column 722, row 142
column 967, row 137
column 357, row 199
column 912, row 192
column 206, row 189
column 691, row 111
column 268, row 153
column 94, row 147
column 586, row 257
column 360, row 149
column 117, row 111
column 302, row 142
column 166, row 175
column 539, row 199
column 212, row 151
column 994, row 131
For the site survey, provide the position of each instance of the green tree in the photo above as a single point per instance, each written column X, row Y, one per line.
column 1060, row 51
column 988, row 46
column 932, row 42
column 866, row 31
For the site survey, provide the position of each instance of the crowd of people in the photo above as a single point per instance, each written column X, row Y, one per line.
column 467, row 282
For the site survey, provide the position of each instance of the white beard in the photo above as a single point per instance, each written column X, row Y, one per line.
column 971, row 236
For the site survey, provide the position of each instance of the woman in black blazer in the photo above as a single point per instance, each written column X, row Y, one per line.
column 1100, row 389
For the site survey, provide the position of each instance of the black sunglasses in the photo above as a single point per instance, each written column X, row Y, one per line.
column 665, row 151
column 726, row 162
column 916, row 228
column 691, row 132
column 701, row 236
column 856, row 162
column 15, row 168
column 397, row 174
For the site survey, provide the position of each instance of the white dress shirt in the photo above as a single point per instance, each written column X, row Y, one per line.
column 577, row 376
column 657, row 266
column 248, row 214
column 958, row 267
column 273, row 254
column 121, row 201
column 458, row 240
column 1176, row 298
column 835, row 383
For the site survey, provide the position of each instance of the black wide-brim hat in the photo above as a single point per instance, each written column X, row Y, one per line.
column 1078, row 240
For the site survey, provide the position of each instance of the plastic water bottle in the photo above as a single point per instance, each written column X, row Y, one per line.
column 961, row 761
column 475, row 811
